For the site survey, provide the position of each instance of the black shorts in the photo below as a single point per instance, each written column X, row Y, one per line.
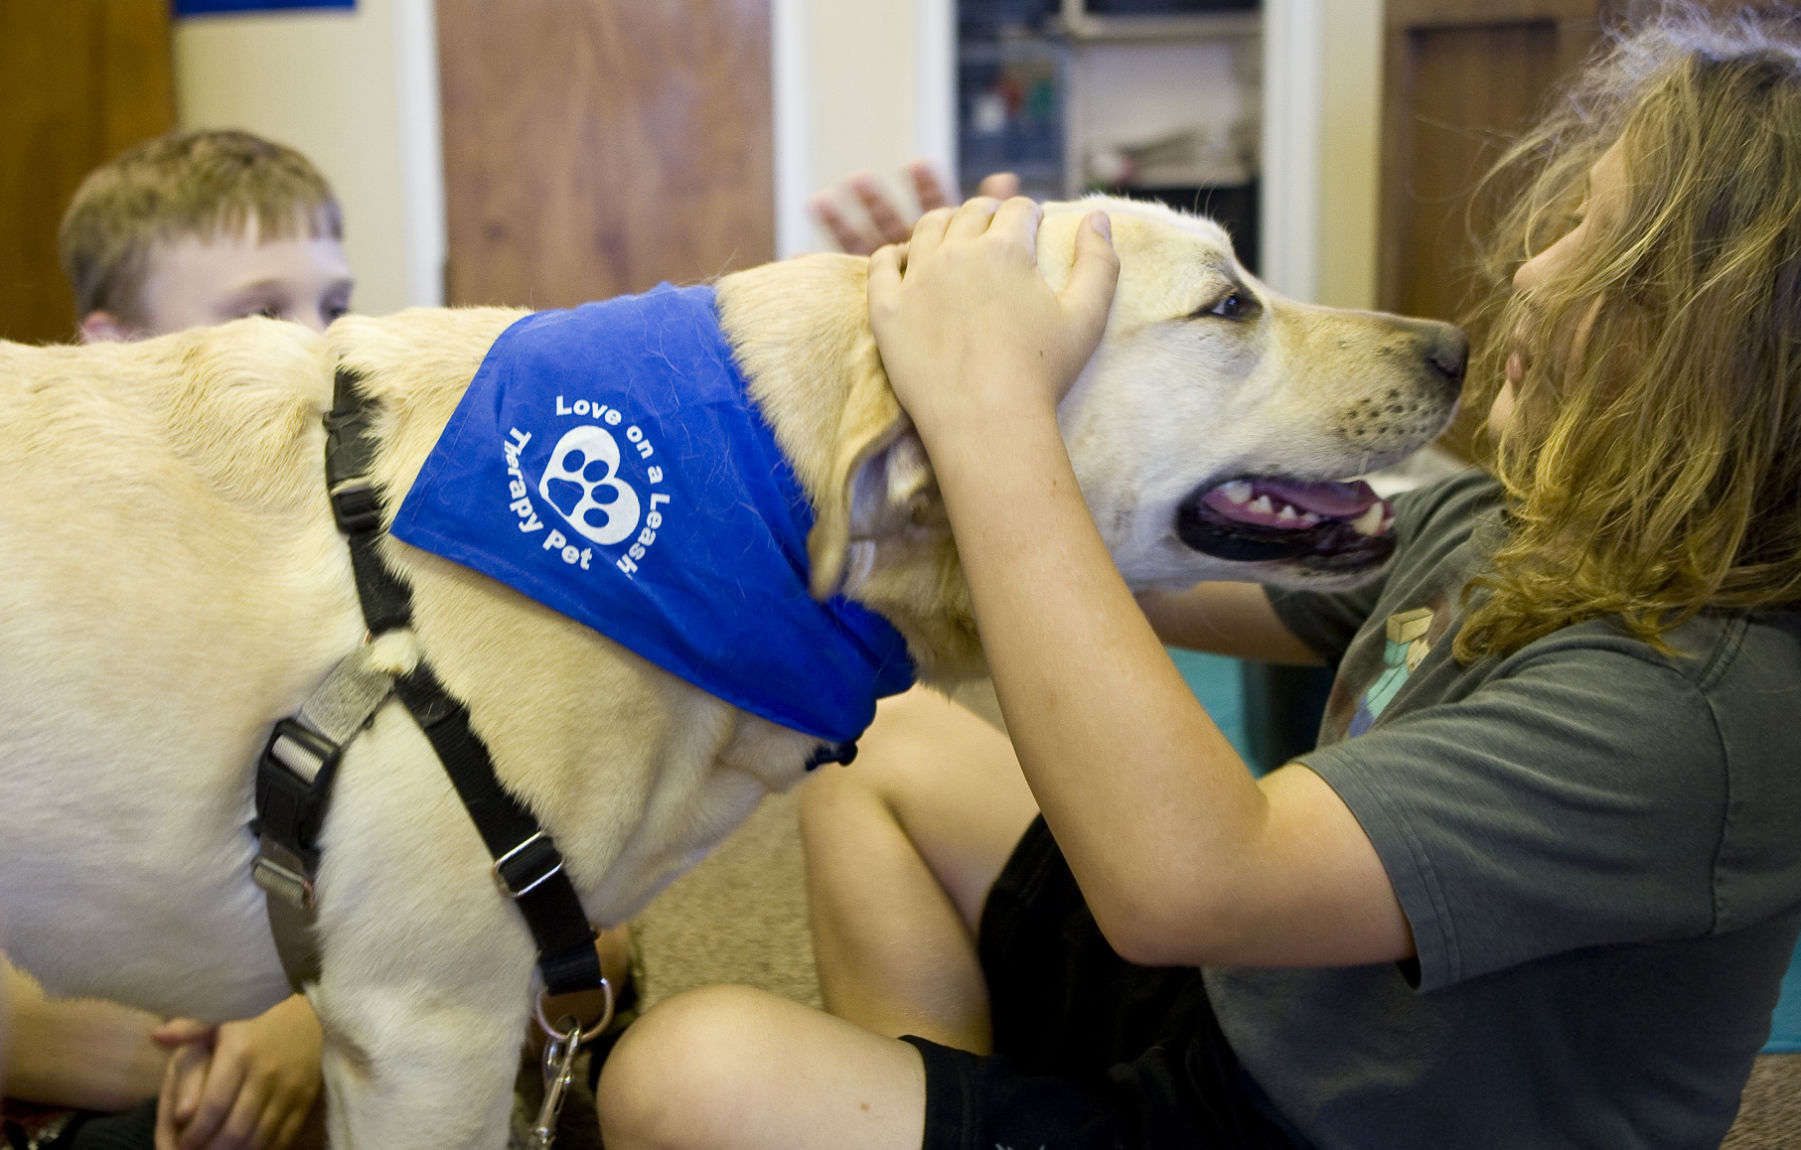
column 1091, row 1052
column 25, row 1126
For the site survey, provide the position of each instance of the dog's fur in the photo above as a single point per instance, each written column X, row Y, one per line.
column 171, row 583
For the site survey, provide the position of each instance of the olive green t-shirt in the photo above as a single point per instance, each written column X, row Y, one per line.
column 1598, row 848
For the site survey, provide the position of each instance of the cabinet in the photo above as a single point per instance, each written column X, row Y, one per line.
column 81, row 81
column 1157, row 99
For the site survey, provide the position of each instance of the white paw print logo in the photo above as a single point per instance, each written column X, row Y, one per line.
column 582, row 483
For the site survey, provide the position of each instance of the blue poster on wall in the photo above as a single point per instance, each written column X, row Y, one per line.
column 214, row 7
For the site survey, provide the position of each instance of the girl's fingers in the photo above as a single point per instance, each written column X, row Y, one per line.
column 885, row 269
column 973, row 218
column 845, row 234
column 926, row 185
column 1089, row 293
column 930, row 231
column 890, row 226
column 181, row 1031
column 1000, row 185
column 1020, row 217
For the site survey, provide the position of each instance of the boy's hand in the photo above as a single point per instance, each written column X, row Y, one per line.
column 246, row 1085
column 885, row 221
column 970, row 333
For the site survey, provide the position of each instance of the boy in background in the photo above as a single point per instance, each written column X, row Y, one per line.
column 181, row 231
column 200, row 228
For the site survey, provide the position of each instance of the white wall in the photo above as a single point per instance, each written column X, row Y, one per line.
column 1321, row 139
column 1350, row 156
column 327, row 83
column 861, row 85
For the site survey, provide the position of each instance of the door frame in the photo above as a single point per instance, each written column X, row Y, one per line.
column 425, row 239
column 1294, row 51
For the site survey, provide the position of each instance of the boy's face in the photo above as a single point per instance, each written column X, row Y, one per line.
column 191, row 282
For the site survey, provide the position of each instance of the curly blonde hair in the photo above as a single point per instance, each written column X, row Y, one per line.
column 204, row 183
column 1652, row 465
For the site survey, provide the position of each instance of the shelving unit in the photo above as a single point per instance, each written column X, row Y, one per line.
column 1081, row 21
column 1011, row 114
column 1157, row 99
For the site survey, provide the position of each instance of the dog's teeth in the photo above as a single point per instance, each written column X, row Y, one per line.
column 1370, row 522
column 1287, row 513
column 1238, row 491
column 1263, row 506
column 1309, row 519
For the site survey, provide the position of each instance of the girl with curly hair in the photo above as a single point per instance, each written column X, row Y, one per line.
column 1537, row 886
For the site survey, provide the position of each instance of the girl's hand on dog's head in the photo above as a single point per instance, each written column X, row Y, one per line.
column 970, row 333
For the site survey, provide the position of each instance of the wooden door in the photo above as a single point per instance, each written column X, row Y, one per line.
column 80, row 81
column 1460, row 78
column 595, row 147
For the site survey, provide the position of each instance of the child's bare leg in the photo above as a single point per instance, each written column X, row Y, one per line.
column 902, row 848
column 731, row 1068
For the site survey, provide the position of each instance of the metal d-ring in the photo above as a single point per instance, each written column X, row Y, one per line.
column 584, row 1037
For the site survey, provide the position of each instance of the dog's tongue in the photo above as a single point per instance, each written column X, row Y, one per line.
column 1242, row 498
column 1333, row 500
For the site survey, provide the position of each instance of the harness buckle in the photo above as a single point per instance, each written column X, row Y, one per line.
column 284, row 882
column 528, row 865
column 292, row 774
column 356, row 505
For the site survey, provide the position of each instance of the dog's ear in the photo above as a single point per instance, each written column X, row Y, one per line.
column 879, row 484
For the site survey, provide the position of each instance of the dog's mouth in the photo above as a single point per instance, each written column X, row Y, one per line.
column 1334, row 526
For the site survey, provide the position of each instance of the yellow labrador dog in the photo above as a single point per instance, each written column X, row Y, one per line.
column 172, row 583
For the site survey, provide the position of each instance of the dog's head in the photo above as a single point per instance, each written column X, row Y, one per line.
column 1213, row 433
column 1216, row 429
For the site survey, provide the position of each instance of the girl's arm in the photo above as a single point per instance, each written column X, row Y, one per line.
column 1233, row 619
column 1183, row 856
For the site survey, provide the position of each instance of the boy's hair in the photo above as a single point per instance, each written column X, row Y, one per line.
column 202, row 184
column 1656, row 471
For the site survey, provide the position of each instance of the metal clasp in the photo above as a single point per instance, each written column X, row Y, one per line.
column 535, row 850
column 283, row 882
column 566, row 1039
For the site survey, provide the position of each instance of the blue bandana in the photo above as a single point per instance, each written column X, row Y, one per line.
column 607, row 462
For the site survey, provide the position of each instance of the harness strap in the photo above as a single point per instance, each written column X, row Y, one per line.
column 294, row 775
column 297, row 767
column 356, row 505
column 527, row 865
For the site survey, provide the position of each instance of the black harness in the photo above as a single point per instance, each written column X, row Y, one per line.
column 299, row 763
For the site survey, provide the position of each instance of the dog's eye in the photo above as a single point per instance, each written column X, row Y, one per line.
column 1235, row 305
column 1232, row 306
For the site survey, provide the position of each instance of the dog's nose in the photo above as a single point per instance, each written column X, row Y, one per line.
column 1449, row 352
column 1445, row 348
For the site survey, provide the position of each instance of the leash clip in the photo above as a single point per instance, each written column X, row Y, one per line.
column 567, row 1037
